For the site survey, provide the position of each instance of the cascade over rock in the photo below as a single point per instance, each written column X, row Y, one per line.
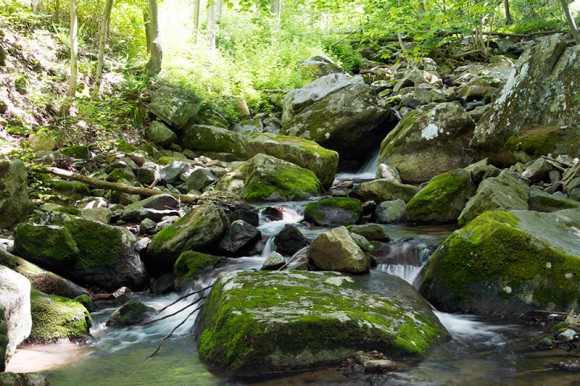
column 507, row 263
column 537, row 112
column 429, row 141
column 339, row 112
column 261, row 323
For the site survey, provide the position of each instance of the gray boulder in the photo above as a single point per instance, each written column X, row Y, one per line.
column 174, row 106
column 212, row 139
column 504, row 192
column 536, row 113
column 290, row 240
column 273, row 262
column 264, row 177
column 14, row 202
column 318, row 66
column 15, row 320
column 335, row 250
column 373, row 232
column 264, row 323
column 154, row 208
column 133, row 312
column 302, row 152
column 238, row 239
column 541, row 201
column 428, row 142
column 23, row 379
column 507, row 263
column 334, row 211
column 339, row 112
column 388, row 212
column 199, row 179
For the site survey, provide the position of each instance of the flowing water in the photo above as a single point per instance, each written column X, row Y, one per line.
column 479, row 353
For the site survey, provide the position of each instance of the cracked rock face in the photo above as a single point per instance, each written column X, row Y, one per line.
column 537, row 111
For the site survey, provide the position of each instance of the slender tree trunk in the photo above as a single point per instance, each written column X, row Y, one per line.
column 147, row 23
column 196, row 9
column 154, row 65
column 212, row 26
column 570, row 20
column 72, row 82
column 57, row 11
column 101, row 56
column 508, row 16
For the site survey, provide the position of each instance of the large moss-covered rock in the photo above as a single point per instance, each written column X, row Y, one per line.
column 317, row 66
column 302, row 152
column 40, row 279
column 264, row 177
column 191, row 264
column 428, row 142
column 339, row 112
column 537, row 112
column 504, row 192
column 160, row 134
column 89, row 252
column 55, row 317
column 14, row 202
column 336, row 250
column 174, row 106
column 507, row 263
column 198, row 230
column 541, row 201
column 442, row 199
column 213, row 139
column 385, row 190
column 334, row 211
column 15, row 321
column 260, row 323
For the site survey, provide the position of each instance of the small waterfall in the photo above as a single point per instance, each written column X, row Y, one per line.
column 366, row 172
column 467, row 329
column 403, row 258
column 273, row 219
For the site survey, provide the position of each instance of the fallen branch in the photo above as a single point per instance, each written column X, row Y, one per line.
column 171, row 333
column 99, row 184
column 175, row 313
column 183, row 297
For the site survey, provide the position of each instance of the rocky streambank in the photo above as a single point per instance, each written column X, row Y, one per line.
column 489, row 147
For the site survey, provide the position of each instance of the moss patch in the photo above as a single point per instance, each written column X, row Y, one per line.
column 190, row 264
column 55, row 317
column 533, row 141
column 334, row 211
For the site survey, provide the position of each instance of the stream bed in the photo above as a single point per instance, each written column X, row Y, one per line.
column 482, row 352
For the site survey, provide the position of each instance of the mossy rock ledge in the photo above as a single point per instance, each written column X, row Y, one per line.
column 507, row 263
column 261, row 323
column 334, row 211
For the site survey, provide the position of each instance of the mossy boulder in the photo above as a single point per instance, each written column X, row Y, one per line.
column 339, row 112
column 40, row 279
column 198, row 230
column 264, row 177
column 536, row 112
column 317, row 66
column 261, row 323
column 160, row 134
column 334, row 211
column 302, row 152
column 507, row 263
column 14, row 201
column 337, row 250
column 131, row 313
column 15, row 322
column 442, row 200
column 191, row 264
column 55, row 317
column 73, row 189
column 174, row 106
column 504, row 192
column 373, row 232
column 213, row 139
column 23, row 379
column 428, row 142
column 383, row 189
column 541, row 201
column 88, row 252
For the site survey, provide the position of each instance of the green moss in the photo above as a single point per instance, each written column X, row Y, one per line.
column 537, row 140
column 99, row 245
column 318, row 211
column 190, row 264
column 492, row 257
column 68, row 188
column 54, row 243
column 326, row 320
column 55, row 317
column 442, row 200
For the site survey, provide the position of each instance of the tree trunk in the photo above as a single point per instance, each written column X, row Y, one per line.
column 508, row 16
column 101, row 56
column 212, row 26
column 154, row 65
column 57, row 11
column 196, row 9
column 570, row 20
column 74, row 47
column 147, row 23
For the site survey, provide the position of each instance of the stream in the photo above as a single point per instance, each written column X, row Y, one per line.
column 482, row 352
